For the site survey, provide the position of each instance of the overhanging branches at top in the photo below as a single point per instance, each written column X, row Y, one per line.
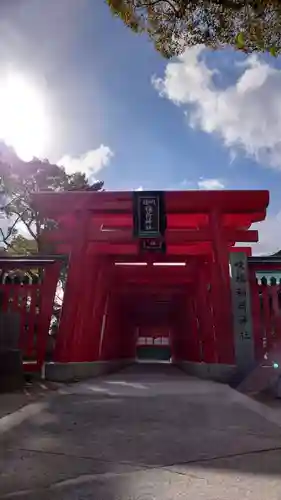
column 173, row 25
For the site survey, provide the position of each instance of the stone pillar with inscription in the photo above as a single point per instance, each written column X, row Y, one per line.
column 242, row 314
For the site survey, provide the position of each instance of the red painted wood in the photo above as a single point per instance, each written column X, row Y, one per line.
column 265, row 266
column 114, row 322
column 151, row 258
column 34, row 291
column 86, row 304
column 65, row 349
column 234, row 219
column 101, row 248
column 256, row 316
column 205, row 318
column 278, row 332
column 246, row 250
column 176, row 329
column 266, row 317
column 192, row 351
column 98, row 309
column 222, row 293
column 274, row 312
column 199, row 249
column 50, row 203
column 110, row 342
column 24, row 299
column 172, row 237
column 82, row 343
column 208, row 239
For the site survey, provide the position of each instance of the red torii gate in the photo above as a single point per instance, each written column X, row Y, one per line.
column 107, row 293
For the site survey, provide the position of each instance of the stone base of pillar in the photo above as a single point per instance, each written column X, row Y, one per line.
column 75, row 371
column 210, row 371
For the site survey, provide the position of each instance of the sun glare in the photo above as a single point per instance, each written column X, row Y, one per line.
column 23, row 117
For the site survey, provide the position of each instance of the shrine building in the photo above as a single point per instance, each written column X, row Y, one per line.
column 160, row 275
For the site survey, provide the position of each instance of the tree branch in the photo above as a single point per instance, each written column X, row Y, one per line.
column 231, row 4
column 9, row 234
column 4, row 239
column 27, row 225
column 179, row 10
column 152, row 3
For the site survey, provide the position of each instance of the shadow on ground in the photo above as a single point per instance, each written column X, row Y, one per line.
column 145, row 433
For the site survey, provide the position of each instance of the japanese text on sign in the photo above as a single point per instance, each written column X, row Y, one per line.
column 241, row 307
column 149, row 215
column 240, row 290
column 149, row 208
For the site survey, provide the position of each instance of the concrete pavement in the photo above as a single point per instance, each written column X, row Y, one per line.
column 32, row 392
column 149, row 432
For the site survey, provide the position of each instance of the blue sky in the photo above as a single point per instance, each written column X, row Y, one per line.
column 219, row 129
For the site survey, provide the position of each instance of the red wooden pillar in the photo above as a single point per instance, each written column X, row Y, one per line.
column 256, row 315
column 115, row 326
column 127, row 336
column 122, row 335
column 222, row 292
column 73, row 289
column 33, row 290
column 191, row 342
column 109, row 333
column 179, row 329
column 83, row 334
column 174, row 341
column 99, row 309
column 212, row 313
column 208, row 344
column 276, row 320
column 266, row 315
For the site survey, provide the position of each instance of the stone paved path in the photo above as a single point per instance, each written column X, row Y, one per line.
column 149, row 432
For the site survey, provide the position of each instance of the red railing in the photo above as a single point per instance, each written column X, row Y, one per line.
column 29, row 296
column 266, row 307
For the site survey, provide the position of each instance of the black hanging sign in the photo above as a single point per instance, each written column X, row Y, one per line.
column 149, row 214
column 152, row 245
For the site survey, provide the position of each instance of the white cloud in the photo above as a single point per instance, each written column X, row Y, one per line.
column 89, row 163
column 140, row 188
column 246, row 115
column 204, row 184
column 3, row 200
column 209, row 184
column 269, row 235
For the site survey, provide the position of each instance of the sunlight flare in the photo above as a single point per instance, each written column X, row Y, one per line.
column 23, row 116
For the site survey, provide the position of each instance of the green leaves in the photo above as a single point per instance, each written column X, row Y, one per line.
column 241, row 45
column 273, row 51
column 22, row 179
column 23, row 246
column 174, row 25
column 240, row 41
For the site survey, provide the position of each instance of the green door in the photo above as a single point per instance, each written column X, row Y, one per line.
column 159, row 352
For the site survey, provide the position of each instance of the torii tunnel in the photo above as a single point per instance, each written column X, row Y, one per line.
column 146, row 266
